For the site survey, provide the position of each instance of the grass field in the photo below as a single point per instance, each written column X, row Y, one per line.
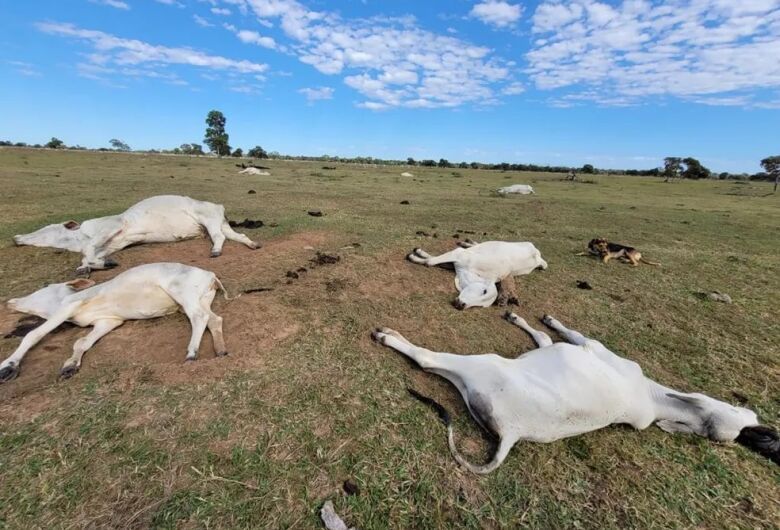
column 306, row 400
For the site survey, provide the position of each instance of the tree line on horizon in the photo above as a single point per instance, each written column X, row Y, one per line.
column 217, row 140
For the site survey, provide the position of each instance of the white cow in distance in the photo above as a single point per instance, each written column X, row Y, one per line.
column 560, row 390
column 144, row 292
column 479, row 266
column 521, row 189
column 160, row 219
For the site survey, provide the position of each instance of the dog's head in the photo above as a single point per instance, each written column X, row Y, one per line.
column 598, row 245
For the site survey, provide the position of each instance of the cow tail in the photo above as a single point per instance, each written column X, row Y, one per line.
column 501, row 452
column 224, row 291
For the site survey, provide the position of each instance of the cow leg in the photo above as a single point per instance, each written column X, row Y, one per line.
column 9, row 368
column 574, row 337
column 541, row 338
column 232, row 235
column 427, row 359
column 506, row 292
column 199, row 319
column 101, row 329
column 214, row 229
column 215, row 328
column 448, row 257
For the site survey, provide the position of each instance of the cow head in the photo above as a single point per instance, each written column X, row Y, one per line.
column 707, row 417
column 66, row 236
column 46, row 301
column 477, row 293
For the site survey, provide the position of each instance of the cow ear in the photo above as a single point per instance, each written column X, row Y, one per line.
column 71, row 225
column 80, row 284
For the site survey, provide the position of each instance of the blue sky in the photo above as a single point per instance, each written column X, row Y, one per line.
column 618, row 83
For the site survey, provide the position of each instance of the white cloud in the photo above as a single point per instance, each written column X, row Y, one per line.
column 497, row 13
column 200, row 21
column 170, row 3
column 25, row 69
column 253, row 37
column 390, row 61
column 513, row 89
column 112, row 3
column 133, row 58
column 220, row 11
column 625, row 52
column 317, row 94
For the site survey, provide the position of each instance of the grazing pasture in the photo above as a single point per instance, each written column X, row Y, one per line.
column 306, row 401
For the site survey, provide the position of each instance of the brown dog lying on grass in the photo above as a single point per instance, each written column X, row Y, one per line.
column 605, row 250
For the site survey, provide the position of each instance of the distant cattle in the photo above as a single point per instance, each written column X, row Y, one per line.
column 406, row 174
column 158, row 219
column 520, row 189
column 143, row 292
column 254, row 171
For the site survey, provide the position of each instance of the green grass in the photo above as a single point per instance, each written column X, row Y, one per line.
column 265, row 436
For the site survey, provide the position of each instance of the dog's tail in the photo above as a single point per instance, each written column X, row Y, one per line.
column 224, row 291
column 498, row 458
column 643, row 260
column 762, row 440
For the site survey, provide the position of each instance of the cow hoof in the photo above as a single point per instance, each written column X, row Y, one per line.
column 8, row 373
column 110, row 264
column 66, row 372
column 83, row 271
column 221, row 353
column 256, row 245
column 508, row 315
column 216, row 254
column 378, row 335
column 547, row 320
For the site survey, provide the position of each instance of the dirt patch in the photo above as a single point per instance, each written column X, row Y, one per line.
column 153, row 351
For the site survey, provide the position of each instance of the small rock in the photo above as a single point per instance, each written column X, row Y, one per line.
column 315, row 213
column 582, row 284
column 404, row 202
column 717, row 296
column 292, row 274
column 251, row 192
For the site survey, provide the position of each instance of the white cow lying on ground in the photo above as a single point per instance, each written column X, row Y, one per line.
column 561, row 390
column 522, row 189
column 158, row 219
column 479, row 266
column 143, row 292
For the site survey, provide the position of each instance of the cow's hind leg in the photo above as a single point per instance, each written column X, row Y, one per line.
column 214, row 323
column 195, row 305
column 214, row 229
column 100, row 329
column 232, row 235
column 541, row 338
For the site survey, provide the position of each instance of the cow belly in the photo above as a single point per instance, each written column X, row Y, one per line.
column 138, row 304
column 163, row 229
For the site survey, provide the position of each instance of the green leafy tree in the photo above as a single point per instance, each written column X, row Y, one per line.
column 443, row 162
column 672, row 167
column 428, row 163
column 771, row 165
column 55, row 143
column 588, row 169
column 411, row 161
column 216, row 137
column 694, row 169
column 257, row 152
column 119, row 145
column 191, row 149
column 238, row 153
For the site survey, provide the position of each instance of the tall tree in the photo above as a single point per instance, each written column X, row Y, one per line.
column 119, row 145
column 771, row 165
column 672, row 167
column 216, row 137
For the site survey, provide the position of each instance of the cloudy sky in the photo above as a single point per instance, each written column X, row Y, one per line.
column 614, row 83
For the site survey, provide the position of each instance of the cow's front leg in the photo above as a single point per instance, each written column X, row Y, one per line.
column 571, row 336
column 541, row 338
column 101, row 329
column 506, row 292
